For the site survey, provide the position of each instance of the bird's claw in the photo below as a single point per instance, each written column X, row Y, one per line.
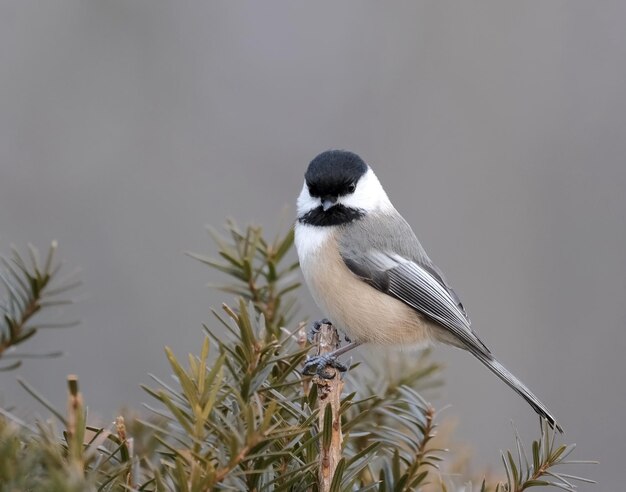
column 315, row 329
column 318, row 365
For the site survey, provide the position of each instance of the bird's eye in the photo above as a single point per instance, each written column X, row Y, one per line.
column 351, row 187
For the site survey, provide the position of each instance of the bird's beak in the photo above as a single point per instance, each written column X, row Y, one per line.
column 328, row 202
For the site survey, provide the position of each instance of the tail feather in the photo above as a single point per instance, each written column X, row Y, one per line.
column 516, row 385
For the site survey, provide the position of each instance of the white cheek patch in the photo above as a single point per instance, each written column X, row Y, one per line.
column 369, row 195
column 306, row 202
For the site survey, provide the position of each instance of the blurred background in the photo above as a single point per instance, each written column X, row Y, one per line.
column 497, row 128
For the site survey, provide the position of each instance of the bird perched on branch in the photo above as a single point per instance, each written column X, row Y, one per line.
column 369, row 273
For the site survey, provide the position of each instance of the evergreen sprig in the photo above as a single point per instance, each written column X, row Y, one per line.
column 547, row 455
column 83, row 459
column 258, row 270
column 30, row 287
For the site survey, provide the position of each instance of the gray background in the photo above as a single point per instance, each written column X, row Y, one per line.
column 498, row 129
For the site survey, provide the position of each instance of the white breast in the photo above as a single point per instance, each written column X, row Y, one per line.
column 309, row 239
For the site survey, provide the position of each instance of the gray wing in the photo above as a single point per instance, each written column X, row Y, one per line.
column 420, row 289
column 383, row 251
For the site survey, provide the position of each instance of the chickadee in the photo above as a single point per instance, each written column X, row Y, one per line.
column 369, row 273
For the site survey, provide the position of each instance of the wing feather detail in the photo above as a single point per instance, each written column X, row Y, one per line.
column 420, row 289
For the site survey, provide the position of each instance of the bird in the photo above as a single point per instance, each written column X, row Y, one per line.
column 368, row 272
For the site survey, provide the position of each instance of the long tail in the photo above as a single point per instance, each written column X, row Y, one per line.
column 516, row 385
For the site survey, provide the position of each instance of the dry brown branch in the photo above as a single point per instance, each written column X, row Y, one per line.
column 329, row 394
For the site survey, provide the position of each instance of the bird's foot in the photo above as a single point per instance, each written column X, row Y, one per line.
column 319, row 364
column 315, row 329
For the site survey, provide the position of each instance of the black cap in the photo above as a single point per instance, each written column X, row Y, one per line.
column 334, row 172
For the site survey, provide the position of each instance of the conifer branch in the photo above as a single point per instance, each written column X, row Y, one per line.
column 30, row 287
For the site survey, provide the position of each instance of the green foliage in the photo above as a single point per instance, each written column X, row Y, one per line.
column 546, row 456
column 240, row 416
column 257, row 269
column 83, row 459
column 30, row 287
